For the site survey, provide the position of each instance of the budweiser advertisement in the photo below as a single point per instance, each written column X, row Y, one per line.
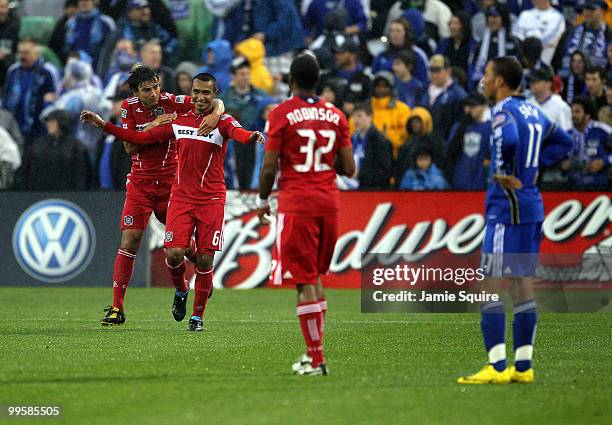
column 402, row 225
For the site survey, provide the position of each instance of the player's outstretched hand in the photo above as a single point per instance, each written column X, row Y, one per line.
column 209, row 123
column 256, row 136
column 508, row 182
column 92, row 118
column 264, row 215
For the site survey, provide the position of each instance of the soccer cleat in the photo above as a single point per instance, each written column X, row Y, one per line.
column 302, row 361
column 179, row 306
column 308, row 370
column 191, row 253
column 113, row 317
column 525, row 377
column 487, row 375
column 195, row 324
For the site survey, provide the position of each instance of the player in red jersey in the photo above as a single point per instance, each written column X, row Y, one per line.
column 307, row 134
column 149, row 181
column 198, row 192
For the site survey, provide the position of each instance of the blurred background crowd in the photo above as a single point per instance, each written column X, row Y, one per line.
column 405, row 72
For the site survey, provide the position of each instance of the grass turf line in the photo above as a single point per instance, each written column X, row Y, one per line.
column 385, row 368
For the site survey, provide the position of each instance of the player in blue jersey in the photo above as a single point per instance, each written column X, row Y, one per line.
column 522, row 140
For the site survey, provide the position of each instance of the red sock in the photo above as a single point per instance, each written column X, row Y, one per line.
column 124, row 266
column 203, row 285
column 310, row 323
column 323, row 304
column 177, row 274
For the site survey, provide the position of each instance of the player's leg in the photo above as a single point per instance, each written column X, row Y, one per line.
column 493, row 318
column 527, row 239
column 124, row 264
column 209, row 233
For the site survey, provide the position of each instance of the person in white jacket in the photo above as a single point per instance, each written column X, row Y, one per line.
column 434, row 11
column 10, row 159
column 543, row 22
column 550, row 103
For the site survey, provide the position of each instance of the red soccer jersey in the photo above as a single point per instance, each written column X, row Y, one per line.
column 157, row 160
column 200, row 177
column 308, row 133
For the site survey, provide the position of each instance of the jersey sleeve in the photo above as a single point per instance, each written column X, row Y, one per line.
column 275, row 131
column 557, row 146
column 156, row 135
column 505, row 138
column 127, row 119
column 182, row 103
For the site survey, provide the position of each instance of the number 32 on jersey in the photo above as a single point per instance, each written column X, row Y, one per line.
column 313, row 151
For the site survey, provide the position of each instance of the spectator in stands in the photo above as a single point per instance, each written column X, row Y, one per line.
column 459, row 46
column 444, row 96
column 68, row 81
column 587, row 166
column 160, row 13
column 468, row 150
column 8, row 122
column 185, row 72
column 373, row 152
column 261, row 124
column 531, row 52
column 56, row 161
column 9, row 33
column 330, row 92
column 409, row 89
column 435, row 13
column 10, row 159
column 30, row 85
column 354, row 85
column 151, row 55
column 479, row 19
column 122, row 61
column 543, row 22
column 591, row 37
column 58, row 36
column 497, row 40
column 550, row 103
column 574, row 84
column 87, row 30
column 389, row 114
column 253, row 50
column 605, row 113
column 217, row 59
column 596, row 87
column 245, row 99
column 425, row 176
column 82, row 95
column 400, row 39
column 315, row 11
column 139, row 27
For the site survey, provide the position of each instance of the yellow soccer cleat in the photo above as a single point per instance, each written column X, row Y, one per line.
column 487, row 375
column 526, row 377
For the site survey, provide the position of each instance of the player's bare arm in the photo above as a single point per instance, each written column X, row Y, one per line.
column 266, row 181
column 209, row 123
column 345, row 162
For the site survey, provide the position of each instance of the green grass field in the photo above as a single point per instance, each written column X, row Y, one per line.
column 385, row 368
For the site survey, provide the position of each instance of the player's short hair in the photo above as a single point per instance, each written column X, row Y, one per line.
column 593, row 69
column 139, row 75
column 304, row 72
column 587, row 105
column 510, row 69
column 205, row 76
column 363, row 107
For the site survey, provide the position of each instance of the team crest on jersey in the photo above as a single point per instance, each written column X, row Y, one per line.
column 123, row 113
column 128, row 220
column 169, row 236
column 159, row 111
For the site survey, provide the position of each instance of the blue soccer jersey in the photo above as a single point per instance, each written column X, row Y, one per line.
column 522, row 140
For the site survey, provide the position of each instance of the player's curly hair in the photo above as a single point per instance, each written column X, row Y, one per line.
column 141, row 74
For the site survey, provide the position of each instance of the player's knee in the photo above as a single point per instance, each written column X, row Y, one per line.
column 307, row 293
column 205, row 262
column 174, row 256
column 130, row 240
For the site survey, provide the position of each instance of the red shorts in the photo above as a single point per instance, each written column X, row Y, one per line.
column 207, row 220
column 143, row 197
column 303, row 248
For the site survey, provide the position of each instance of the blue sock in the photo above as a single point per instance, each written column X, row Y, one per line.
column 523, row 330
column 493, row 326
column 182, row 294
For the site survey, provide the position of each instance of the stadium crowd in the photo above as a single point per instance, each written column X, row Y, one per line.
column 405, row 72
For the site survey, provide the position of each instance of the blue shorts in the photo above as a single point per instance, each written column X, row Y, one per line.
column 511, row 249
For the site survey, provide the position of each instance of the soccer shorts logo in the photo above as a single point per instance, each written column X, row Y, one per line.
column 123, row 113
column 128, row 220
column 169, row 236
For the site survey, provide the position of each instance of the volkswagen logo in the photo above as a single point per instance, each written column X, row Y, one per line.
column 54, row 240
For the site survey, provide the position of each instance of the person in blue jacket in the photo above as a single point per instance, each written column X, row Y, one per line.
column 425, row 176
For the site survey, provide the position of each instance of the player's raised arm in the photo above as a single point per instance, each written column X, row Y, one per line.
column 156, row 135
